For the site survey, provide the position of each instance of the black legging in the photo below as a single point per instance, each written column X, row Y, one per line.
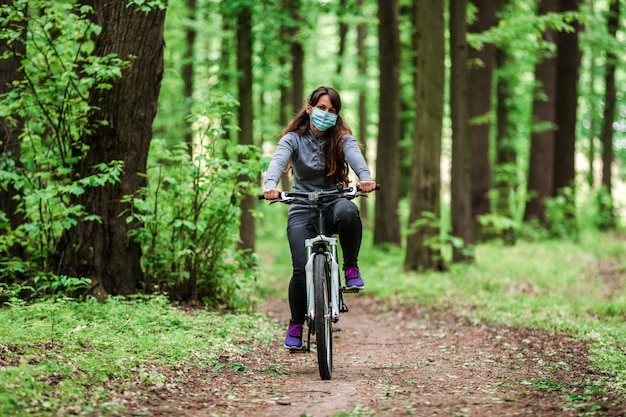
column 342, row 217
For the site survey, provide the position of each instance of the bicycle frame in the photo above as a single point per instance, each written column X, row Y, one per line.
column 327, row 246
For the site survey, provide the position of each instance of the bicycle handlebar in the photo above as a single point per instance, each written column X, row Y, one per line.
column 349, row 192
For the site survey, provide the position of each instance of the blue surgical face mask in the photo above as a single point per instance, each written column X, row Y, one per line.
column 323, row 120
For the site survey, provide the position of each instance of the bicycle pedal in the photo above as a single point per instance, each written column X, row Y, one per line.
column 346, row 290
column 303, row 349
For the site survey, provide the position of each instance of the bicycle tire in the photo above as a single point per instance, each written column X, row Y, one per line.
column 323, row 320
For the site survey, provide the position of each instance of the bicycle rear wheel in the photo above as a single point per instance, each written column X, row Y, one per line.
column 323, row 320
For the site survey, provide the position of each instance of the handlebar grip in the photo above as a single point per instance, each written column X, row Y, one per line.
column 376, row 188
column 261, row 197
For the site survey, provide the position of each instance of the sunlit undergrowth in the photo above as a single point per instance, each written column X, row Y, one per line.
column 58, row 356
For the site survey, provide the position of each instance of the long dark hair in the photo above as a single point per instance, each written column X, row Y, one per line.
column 334, row 158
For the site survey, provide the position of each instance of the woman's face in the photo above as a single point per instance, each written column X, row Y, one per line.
column 323, row 104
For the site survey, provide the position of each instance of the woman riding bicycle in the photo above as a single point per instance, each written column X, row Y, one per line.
column 319, row 145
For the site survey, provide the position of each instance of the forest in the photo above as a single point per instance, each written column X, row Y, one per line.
column 135, row 133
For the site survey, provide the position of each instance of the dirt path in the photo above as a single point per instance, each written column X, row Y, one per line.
column 401, row 361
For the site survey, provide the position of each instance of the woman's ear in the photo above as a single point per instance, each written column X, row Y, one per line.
column 308, row 109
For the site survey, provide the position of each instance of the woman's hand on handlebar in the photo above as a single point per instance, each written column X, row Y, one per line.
column 271, row 194
column 366, row 186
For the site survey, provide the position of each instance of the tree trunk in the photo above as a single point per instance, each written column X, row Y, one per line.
column 362, row 129
column 610, row 97
column 506, row 155
column 481, row 63
column 541, row 160
column 104, row 251
column 505, row 177
column 226, row 63
column 188, row 66
column 10, row 131
column 568, row 62
column 429, row 45
column 387, row 226
column 285, row 110
column 592, row 103
column 244, row 69
column 460, row 198
column 343, row 32
column 297, row 59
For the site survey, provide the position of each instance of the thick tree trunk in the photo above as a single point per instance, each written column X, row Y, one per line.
column 104, row 251
column 481, row 64
column 541, row 161
column 460, row 198
column 568, row 63
column 429, row 44
column 387, row 226
column 244, row 69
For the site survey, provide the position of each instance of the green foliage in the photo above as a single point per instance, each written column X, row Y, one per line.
column 561, row 215
column 190, row 214
column 438, row 242
column 47, row 210
column 149, row 5
column 495, row 225
column 51, row 105
column 64, row 357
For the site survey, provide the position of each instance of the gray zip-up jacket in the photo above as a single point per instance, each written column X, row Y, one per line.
column 307, row 157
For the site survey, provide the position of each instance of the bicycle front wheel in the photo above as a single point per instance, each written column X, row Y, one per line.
column 323, row 319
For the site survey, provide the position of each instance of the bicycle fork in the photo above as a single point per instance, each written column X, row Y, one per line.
column 319, row 244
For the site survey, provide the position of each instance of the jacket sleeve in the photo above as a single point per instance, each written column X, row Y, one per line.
column 355, row 158
column 279, row 161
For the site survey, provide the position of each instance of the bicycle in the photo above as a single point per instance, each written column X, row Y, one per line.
column 324, row 292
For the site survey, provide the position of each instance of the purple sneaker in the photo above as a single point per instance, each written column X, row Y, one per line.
column 293, row 340
column 353, row 279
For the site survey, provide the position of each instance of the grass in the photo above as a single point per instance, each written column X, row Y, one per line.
column 62, row 357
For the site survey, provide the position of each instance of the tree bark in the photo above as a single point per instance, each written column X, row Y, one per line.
column 481, row 63
column 104, row 251
column 362, row 120
column 188, row 66
column 568, row 63
column 226, row 80
column 10, row 130
column 343, row 32
column 541, row 161
column 610, row 99
column 285, row 110
column 506, row 155
column 387, row 226
column 244, row 69
column 297, row 59
column 429, row 45
column 460, row 198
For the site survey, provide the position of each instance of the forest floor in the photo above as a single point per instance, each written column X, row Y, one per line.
column 395, row 360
